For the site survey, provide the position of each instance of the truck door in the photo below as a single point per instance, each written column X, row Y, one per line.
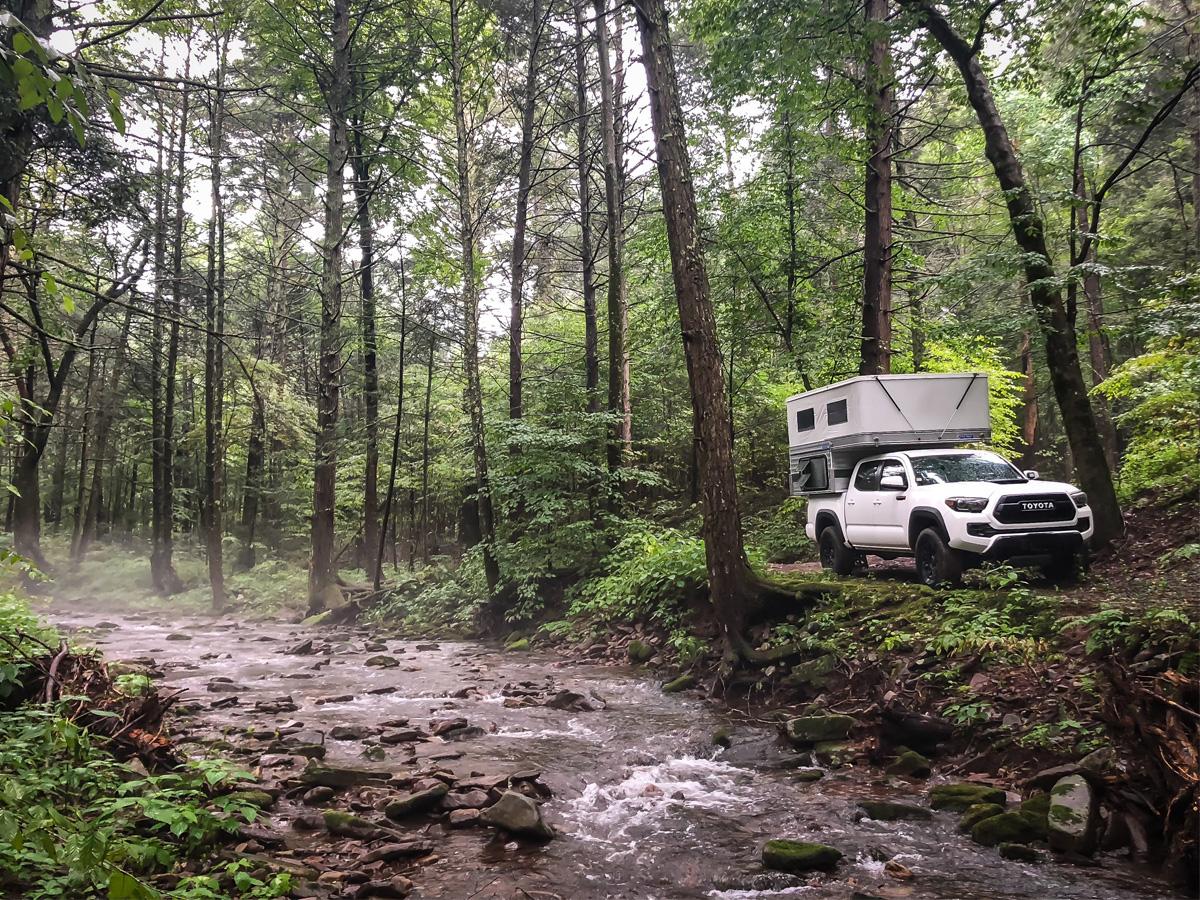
column 860, row 499
column 890, row 506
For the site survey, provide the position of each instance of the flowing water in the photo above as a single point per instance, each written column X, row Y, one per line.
column 645, row 805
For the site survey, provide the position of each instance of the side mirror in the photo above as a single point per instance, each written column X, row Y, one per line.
column 1032, row 474
column 893, row 483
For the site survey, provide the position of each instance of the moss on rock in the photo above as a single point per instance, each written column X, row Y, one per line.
column 1006, row 828
column 910, row 764
column 958, row 797
column 639, row 652
column 682, row 683
column 799, row 856
column 806, row 730
column 976, row 813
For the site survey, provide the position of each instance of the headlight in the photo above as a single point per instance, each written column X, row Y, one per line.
column 1080, row 499
column 967, row 504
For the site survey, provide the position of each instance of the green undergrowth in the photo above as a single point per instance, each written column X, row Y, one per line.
column 76, row 822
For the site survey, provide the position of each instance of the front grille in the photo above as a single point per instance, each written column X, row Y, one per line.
column 1017, row 510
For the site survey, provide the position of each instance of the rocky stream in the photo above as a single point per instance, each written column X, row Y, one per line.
column 375, row 757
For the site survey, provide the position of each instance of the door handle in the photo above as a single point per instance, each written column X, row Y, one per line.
column 901, row 497
column 877, row 502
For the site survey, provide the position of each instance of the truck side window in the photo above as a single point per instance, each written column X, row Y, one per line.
column 867, row 478
column 836, row 412
column 805, row 421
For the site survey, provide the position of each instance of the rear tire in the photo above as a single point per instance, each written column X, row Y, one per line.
column 938, row 564
column 836, row 557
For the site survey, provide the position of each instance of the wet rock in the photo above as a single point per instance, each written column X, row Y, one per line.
column 309, row 821
column 382, row 690
column 351, row 732
column 317, row 796
column 807, row 730
column 382, row 661
column 225, row 686
column 344, row 824
column 417, row 802
column 427, row 647
column 723, row 737
column 1019, row 852
column 475, row 799
column 958, row 797
column 889, row 811
column 682, row 683
column 337, row 777
column 304, row 648
column 976, row 813
column 575, row 702
column 910, row 764
column 178, row 636
column 403, row 736
column 399, row 886
column 799, row 856
column 1100, row 761
column 374, row 647
column 464, row 818
column 518, row 815
column 518, row 645
column 639, row 652
column 107, row 626
column 255, row 798
column 914, row 730
column 811, row 675
column 276, row 705
column 340, row 698
column 1047, row 778
column 834, row 753
column 1006, row 828
column 808, row 773
column 468, row 733
column 897, row 870
column 394, row 851
column 308, row 751
column 1071, row 819
column 444, row 726
column 374, row 753
column 267, row 837
column 224, row 702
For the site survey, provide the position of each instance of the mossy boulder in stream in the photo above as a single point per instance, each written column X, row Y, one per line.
column 1007, row 828
column 910, row 764
column 1019, row 853
column 958, row 797
column 344, row 824
column 682, row 683
column 257, row 799
column 808, row 730
column 976, row 813
column 639, row 652
column 521, row 643
column 1071, row 815
column 416, row 802
column 799, row 856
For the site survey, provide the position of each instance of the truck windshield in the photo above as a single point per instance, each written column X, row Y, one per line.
column 965, row 467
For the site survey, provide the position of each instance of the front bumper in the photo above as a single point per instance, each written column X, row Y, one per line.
column 984, row 536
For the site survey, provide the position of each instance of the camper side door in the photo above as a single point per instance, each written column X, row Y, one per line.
column 860, row 497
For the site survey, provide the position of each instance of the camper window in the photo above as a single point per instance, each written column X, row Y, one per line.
column 805, row 421
column 836, row 412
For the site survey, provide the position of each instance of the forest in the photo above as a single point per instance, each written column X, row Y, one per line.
column 476, row 319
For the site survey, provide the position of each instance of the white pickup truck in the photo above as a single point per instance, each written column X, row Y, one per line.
column 950, row 509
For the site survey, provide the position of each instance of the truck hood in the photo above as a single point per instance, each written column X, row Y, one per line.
column 991, row 489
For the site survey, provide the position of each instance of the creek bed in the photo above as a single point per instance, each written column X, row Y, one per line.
column 645, row 806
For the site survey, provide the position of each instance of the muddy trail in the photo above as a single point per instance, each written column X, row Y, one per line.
column 643, row 803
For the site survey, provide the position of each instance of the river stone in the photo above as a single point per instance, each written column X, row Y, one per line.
column 834, row 753
column 1006, row 828
column 475, row 799
column 338, row 777
column 351, row 732
column 958, row 797
column 445, row 726
column 178, row 636
column 382, row 661
column 464, row 818
column 808, row 773
column 518, row 815
column 317, row 796
column 723, row 737
column 284, row 704
column 403, row 736
column 344, row 824
column 1019, row 852
column 799, row 856
column 1071, row 819
column 1100, row 761
column 255, row 798
column 682, row 683
column 304, row 648
column 815, row 729
column 416, row 802
column 910, row 764
column 639, row 652
column 518, row 644
column 889, row 811
column 398, row 850
column 396, row 887
column 812, row 674
column 976, row 813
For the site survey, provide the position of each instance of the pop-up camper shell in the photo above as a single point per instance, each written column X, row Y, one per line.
column 832, row 428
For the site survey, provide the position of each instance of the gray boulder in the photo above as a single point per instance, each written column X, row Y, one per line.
column 518, row 815
column 1072, row 820
column 807, row 730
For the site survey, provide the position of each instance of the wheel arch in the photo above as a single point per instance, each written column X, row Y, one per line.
column 923, row 517
column 827, row 518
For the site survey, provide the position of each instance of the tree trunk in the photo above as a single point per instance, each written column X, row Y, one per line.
column 473, row 393
column 1029, row 417
column 377, row 559
column 323, row 590
column 618, row 363
column 876, row 353
column 366, row 243
column 524, row 178
column 425, row 524
column 1062, row 355
column 591, row 355
column 214, row 362
column 729, row 575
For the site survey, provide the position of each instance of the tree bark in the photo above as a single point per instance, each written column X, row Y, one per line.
column 380, row 538
column 876, row 352
column 1058, row 333
column 425, row 523
column 214, row 362
column 473, row 392
column 618, row 362
column 591, row 355
column 1029, row 416
column 323, row 590
column 729, row 575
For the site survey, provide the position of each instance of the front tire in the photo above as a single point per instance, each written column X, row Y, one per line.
column 836, row 557
column 1067, row 568
column 938, row 564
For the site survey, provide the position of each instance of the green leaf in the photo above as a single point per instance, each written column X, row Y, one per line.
column 21, row 42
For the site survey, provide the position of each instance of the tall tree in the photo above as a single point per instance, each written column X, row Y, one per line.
column 583, row 161
column 876, row 353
